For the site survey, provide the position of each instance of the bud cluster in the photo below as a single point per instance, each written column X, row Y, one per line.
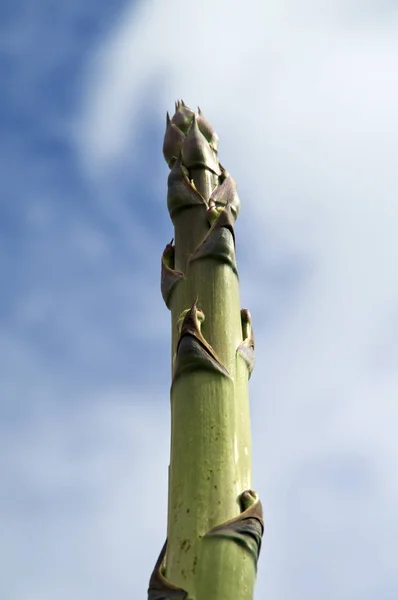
column 190, row 148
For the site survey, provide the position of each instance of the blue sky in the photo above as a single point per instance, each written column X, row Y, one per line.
column 303, row 97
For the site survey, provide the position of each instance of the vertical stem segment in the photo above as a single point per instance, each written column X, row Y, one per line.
column 214, row 519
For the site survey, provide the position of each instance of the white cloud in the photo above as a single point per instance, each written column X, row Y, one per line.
column 84, row 511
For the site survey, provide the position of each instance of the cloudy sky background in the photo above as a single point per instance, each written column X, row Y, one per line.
column 303, row 96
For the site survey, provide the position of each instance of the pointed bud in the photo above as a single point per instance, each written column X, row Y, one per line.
column 207, row 131
column 246, row 529
column 181, row 193
column 172, row 142
column 226, row 194
column 246, row 348
column 196, row 151
column 182, row 117
column 219, row 243
column 169, row 276
column 193, row 352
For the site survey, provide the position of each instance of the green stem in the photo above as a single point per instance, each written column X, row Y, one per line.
column 214, row 519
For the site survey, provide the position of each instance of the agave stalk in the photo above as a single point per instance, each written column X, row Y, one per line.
column 215, row 520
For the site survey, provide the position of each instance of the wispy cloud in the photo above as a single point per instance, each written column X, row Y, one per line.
column 79, row 509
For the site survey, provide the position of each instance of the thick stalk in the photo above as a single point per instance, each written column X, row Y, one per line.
column 214, row 519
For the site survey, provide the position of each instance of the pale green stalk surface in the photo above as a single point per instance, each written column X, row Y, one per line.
column 214, row 519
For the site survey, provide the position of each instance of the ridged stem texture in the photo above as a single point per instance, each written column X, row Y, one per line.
column 215, row 521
